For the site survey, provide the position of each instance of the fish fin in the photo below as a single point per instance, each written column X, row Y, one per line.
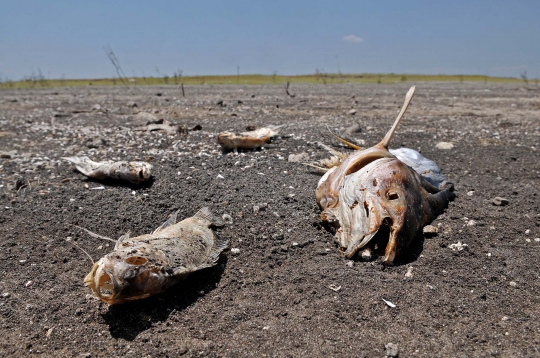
column 388, row 137
column 220, row 245
column 124, row 237
column 170, row 221
column 83, row 164
column 324, row 170
column 205, row 214
column 344, row 141
column 332, row 151
column 94, row 235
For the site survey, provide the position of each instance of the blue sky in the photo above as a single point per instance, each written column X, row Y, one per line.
column 151, row 38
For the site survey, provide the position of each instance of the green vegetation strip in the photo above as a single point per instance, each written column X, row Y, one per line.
column 320, row 78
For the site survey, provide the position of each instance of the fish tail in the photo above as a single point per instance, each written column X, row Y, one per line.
column 205, row 214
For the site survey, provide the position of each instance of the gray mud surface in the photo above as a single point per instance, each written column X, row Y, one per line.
column 288, row 292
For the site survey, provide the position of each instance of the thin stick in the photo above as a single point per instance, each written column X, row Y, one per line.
column 94, row 235
column 80, row 248
column 388, row 137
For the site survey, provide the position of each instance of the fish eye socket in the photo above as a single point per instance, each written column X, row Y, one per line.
column 392, row 195
column 136, row 260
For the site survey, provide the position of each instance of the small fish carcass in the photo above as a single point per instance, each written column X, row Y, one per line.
column 247, row 140
column 379, row 199
column 134, row 172
column 148, row 264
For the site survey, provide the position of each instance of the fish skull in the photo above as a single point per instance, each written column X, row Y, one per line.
column 377, row 212
column 124, row 276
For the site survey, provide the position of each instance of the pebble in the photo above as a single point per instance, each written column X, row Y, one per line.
column 431, row 230
column 49, row 332
column 350, row 263
column 472, row 223
column 297, row 158
column 220, row 176
column 29, row 284
column 444, row 145
column 527, row 232
column 256, row 209
column 537, row 239
column 227, row 218
column 505, row 318
column 459, row 246
column 470, row 193
column 409, row 273
column 498, row 201
column 235, row 251
column 6, row 294
column 392, row 350
column 352, row 112
column 513, row 283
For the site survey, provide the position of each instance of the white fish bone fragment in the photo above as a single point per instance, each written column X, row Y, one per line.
column 390, row 304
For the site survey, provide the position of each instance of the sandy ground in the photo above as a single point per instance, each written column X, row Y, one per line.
column 278, row 296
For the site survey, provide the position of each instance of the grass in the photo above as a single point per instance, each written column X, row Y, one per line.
column 322, row 78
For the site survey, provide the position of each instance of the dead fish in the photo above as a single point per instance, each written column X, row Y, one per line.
column 247, row 140
column 148, row 264
column 379, row 199
column 134, row 172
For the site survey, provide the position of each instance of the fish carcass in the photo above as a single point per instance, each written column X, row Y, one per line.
column 148, row 264
column 378, row 199
column 134, row 172
column 247, row 140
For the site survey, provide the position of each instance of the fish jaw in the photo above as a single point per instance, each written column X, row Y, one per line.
column 121, row 277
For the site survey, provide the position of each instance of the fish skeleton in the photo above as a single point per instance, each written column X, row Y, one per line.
column 247, row 140
column 134, row 172
column 378, row 199
column 148, row 264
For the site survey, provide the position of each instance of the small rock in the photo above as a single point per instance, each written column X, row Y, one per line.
column 498, row 201
column 409, row 273
column 513, row 283
column 49, row 332
column 505, row 318
column 392, row 350
column 470, row 193
column 256, row 209
column 227, row 218
column 431, row 230
column 352, row 112
column 444, row 145
column 131, row 104
column 29, row 284
column 471, row 223
column 350, row 263
column 297, row 158
column 96, row 107
column 235, row 251
column 459, row 246
column 355, row 128
column 220, row 176
column 6, row 294
column 537, row 239
column 527, row 232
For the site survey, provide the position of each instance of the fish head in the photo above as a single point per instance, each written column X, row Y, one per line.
column 137, row 172
column 227, row 139
column 380, row 210
column 123, row 276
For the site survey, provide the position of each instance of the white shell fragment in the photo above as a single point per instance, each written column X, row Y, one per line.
column 390, row 304
column 458, row 247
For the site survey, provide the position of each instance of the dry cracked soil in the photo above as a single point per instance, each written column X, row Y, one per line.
column 473, row 289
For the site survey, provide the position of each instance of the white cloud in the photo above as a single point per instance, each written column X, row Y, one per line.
column 353, row 38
